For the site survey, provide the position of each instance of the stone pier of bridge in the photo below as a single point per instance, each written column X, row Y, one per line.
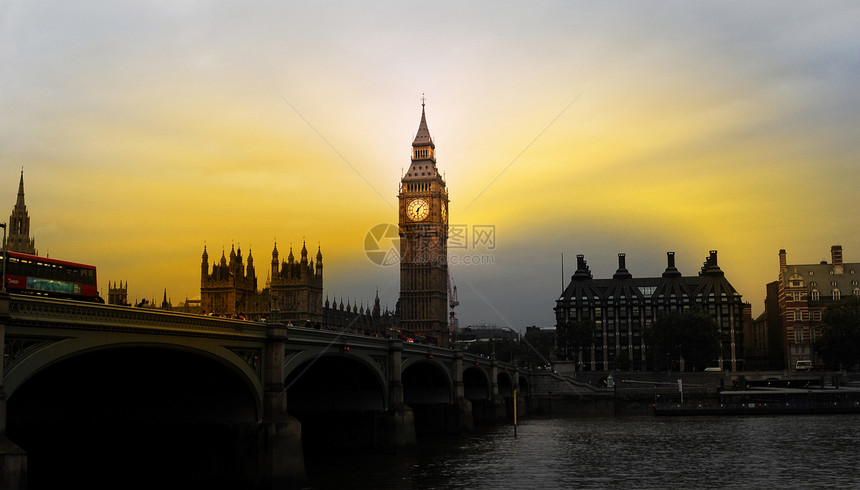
column 13, row 459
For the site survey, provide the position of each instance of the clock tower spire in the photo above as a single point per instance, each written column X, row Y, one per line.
column 424, row 241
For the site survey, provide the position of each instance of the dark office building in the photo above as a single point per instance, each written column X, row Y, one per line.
column 624, row 306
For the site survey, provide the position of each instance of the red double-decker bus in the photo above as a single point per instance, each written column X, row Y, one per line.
column 31, row 274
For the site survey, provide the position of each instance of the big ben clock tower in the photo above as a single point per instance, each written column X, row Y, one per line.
column 424, row 241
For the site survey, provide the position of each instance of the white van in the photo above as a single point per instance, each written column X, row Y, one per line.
column 803, row 366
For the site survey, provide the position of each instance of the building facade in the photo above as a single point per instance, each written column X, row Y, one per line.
column 230, row 287
column 623, row 307
column 423, row 219
column 296, row 287
column 118, row 293
column 763, row 347
column 372, row 321
column 802, row 293
column 18, row 239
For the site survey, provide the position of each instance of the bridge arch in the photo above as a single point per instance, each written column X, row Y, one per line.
column 505, row 382
column 244, row 363
column 476, row 383
column 428, row 391
column 523, row 385
column 426, row 381
column 105, row 413
column 478, row 390
column 337, row 381
column 339, row 399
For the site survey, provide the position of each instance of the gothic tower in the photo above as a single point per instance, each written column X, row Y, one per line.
column 118, row 293
column 19, row 225
column 424, row 241
column 296, row 287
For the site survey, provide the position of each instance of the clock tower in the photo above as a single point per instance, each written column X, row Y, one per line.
column 424, row 241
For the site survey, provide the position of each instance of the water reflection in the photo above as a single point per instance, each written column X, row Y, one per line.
column 626, row 452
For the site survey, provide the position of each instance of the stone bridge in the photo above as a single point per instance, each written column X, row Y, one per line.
column 93, row 391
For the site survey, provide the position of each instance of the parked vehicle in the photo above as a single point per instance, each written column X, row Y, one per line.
column 803, row 366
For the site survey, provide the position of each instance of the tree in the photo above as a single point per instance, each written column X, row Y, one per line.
column 692, row 335
column 571, row 336
column 839, row 344
column 507, row 350
column 538, row 345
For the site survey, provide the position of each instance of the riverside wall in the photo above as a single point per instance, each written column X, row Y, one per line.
column 634, row 392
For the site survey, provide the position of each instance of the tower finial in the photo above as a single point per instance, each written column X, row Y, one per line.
column 422, row 100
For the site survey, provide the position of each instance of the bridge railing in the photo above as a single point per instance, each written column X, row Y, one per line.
column 339, row 339
column 38, row 311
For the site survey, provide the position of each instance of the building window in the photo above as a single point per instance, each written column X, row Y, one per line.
column 836, row 295
column 815, row 295
column 798, row 335
column 816, row 315
column 856, row 292
column 811, row 273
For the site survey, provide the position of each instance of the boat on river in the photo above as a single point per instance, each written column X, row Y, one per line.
column 768, row 401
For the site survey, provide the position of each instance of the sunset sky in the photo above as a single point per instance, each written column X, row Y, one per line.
column 148, row 129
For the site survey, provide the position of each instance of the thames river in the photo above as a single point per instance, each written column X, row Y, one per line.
column 796, row 451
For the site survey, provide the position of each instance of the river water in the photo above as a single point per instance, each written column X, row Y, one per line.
column 796, row 451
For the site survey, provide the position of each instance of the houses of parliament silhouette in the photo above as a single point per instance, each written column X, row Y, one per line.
column 295, row 288
column 229, row 286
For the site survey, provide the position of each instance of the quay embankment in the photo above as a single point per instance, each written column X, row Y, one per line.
column 620, row 392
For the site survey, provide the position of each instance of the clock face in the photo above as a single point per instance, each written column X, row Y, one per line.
column 444, row 213
column 417, row 209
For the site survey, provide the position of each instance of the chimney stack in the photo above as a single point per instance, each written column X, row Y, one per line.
column 836, row 254
column 783, row 264
column 836, row 257
column 671, row 270
column 582, row 271
column 622, row 272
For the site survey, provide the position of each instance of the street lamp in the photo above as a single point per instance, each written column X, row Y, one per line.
column 3, row 285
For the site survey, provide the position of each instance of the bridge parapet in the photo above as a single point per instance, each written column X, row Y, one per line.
column 334, row 338
column 30, row 310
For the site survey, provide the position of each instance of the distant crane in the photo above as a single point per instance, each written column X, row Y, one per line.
column 452, row 302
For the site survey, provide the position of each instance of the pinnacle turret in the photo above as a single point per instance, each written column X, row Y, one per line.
column 19, row 225
column 422, row 137
column 20, row 201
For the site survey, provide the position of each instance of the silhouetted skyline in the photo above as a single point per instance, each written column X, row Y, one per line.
column 147, row 130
